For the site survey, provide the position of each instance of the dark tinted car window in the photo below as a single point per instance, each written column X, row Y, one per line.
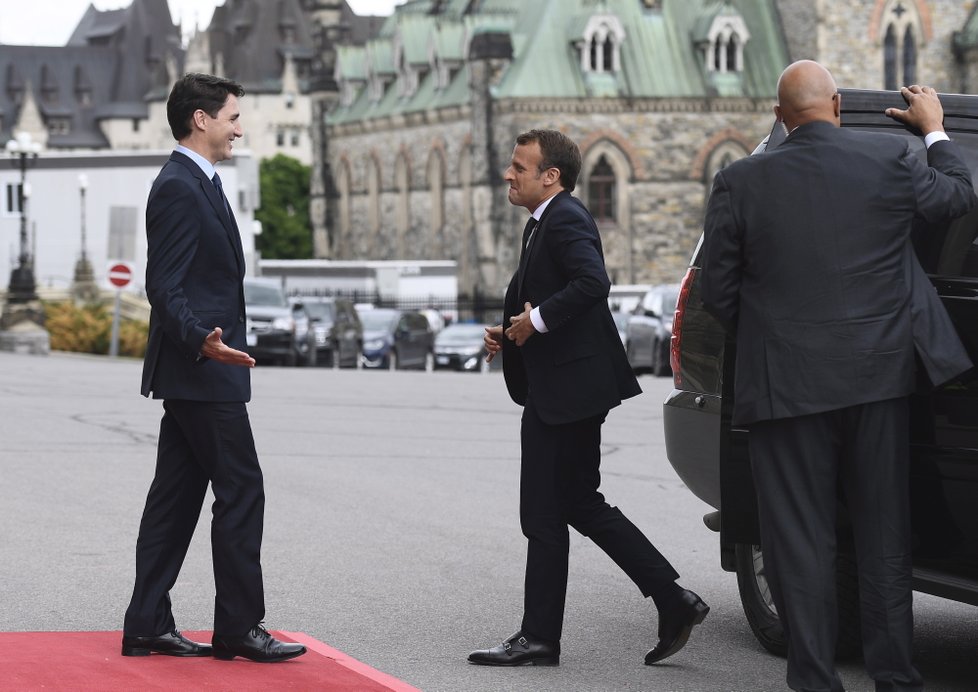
column 949, row 249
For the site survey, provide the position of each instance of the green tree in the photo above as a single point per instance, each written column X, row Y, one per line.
column 284, row 213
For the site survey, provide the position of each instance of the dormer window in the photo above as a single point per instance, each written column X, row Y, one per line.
column 83, row 87
column 725, row 41
column 49, row 85
column 59, row 126
column 600, row 44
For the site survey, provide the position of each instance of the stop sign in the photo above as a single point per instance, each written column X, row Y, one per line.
column 120, row 275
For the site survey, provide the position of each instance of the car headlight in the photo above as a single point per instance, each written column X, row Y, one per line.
column 286, row 324
column 373, row 345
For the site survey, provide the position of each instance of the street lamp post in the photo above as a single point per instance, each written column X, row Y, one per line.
column 83, row 286
column 23, row 289
column 22, row 322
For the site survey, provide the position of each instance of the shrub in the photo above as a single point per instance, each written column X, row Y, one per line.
column 88, row 329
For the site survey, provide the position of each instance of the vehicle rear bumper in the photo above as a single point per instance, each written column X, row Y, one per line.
column 691, row 423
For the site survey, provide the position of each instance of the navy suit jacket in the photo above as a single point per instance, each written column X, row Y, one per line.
column 807, row 255
column 194, row 281
column 578, row 368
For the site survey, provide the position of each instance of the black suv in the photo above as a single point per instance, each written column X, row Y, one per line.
column 712, row 457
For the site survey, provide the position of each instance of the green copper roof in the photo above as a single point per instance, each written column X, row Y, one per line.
column 661, row 54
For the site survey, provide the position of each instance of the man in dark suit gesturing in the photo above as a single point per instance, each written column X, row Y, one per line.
column 195, row 362
column 808, row 258
column 564, row 363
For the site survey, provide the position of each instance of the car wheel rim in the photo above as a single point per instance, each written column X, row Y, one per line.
column 760, row 578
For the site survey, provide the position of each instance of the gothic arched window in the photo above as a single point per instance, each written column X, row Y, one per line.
column 902, row 37
column 890, row 59
column 909, row 57
column 601, row 192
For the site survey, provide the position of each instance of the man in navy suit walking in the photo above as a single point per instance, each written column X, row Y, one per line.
column 564, row 363
column 196, row 364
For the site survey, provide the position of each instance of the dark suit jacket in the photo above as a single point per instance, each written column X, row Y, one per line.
column 194, row 272
column 578, row 368
column 806, row 256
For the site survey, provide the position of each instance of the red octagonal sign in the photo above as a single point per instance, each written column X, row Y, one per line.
column 120, row 275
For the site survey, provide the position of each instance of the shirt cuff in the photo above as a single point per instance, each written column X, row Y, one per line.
column 936, row 136
column 537, row 321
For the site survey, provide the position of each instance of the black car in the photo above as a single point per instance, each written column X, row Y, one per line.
column 271, row 333
column 396, row 339
column 649, row 330
column 712, row 457
column 336, row 331
column 461, row 346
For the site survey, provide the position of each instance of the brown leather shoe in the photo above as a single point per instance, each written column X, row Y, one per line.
column 169, row 644
column 258, row 645
column 518, row 650
column 675, row 624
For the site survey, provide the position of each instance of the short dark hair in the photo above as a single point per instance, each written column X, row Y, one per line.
column 195, row 91
column 559, row 151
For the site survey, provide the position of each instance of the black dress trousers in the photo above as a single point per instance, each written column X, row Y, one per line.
column 799, row 465
column 202, row 442
column 559, row 481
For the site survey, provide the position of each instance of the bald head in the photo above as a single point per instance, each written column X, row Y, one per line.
column 806, row 93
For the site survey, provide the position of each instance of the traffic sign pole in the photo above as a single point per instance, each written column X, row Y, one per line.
column 116, row 316
column 120, row 274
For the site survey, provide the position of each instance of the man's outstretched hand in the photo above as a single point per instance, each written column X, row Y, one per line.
column 215, row 349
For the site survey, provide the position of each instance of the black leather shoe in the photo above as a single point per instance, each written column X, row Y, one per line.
column 258, row 645
column 675, row 624
column 518, row 650
column 170, row 644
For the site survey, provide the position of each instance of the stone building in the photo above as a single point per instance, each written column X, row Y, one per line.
column 103, row 89
column 659, row 94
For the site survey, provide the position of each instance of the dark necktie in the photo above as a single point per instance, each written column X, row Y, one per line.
column 531, row 223
column 220, row 191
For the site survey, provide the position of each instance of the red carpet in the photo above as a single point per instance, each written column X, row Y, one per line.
column 91, row 661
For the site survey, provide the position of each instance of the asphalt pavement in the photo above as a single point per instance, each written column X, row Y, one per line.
column 391, row 530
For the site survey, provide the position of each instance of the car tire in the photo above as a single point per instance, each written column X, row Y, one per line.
column 762, row 616
column 660, row 360
column 392, row 360
column 656, row 359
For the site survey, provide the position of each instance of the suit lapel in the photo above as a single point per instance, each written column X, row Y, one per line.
column 225, row 215
column 535, row 239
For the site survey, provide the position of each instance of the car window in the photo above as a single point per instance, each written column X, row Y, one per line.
column 319, row 311
column 262, row 294
column 377, row 320
column 950, row 249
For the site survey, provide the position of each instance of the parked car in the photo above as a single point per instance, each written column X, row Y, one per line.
column 624, row 297
column 461, row 347
column 271, row 326
column 713, row 458
column 649, row 330
column 336, row 331
column 396, row 339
